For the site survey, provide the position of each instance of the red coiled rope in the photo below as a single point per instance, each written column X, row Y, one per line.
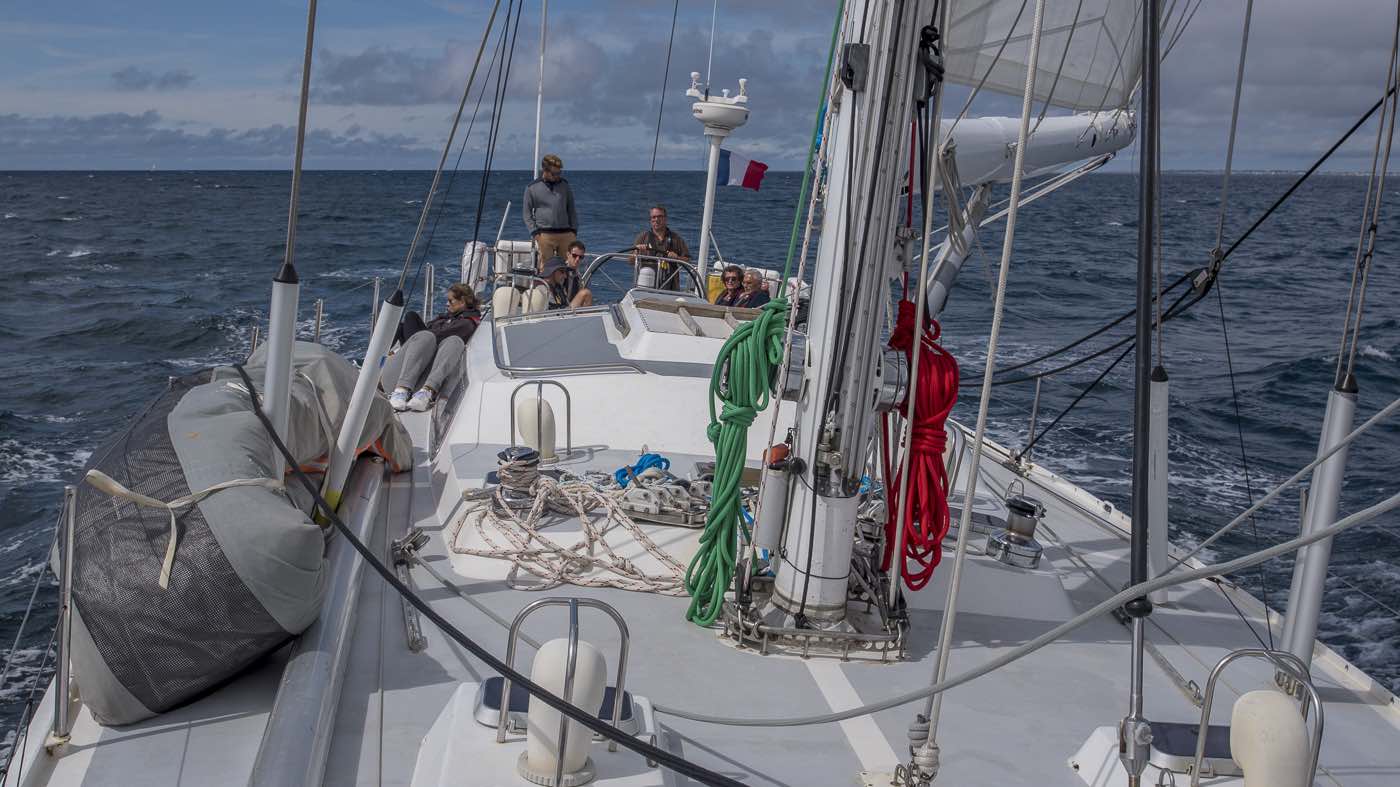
column 926, row 519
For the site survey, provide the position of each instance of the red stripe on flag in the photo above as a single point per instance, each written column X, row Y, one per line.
column 753, row 175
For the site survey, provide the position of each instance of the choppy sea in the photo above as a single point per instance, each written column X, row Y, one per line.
column 112, row 282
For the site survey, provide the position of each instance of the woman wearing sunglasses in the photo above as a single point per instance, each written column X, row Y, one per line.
column 733, row 278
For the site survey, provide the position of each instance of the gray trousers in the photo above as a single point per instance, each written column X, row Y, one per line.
column 407, row 366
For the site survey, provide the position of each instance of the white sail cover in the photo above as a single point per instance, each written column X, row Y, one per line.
column 1090, row 50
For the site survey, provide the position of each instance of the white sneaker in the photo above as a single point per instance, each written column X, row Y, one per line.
column 421, row 401
column 399, row 399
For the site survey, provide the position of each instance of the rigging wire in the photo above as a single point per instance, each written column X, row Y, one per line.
column 1205, row 282
column 979, row 440
column 447, row 149
column 497, row 112
column 1370, row 219
column 1176, row 308
column 710, row 62
column 1234, row 126
column 665, row 77
column 1244, row 455
column 456, row 167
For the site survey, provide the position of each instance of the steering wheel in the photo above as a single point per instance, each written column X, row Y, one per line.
column 595, row 267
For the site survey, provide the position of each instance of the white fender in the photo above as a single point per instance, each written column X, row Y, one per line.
column 534, row 419
column 541, row 755
column 1269, row 740
column 646, row 276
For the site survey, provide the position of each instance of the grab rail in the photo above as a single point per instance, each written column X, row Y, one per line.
column 618, row 691
column 1283, row 661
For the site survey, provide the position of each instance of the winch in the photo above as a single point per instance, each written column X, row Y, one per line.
column 1016, row 545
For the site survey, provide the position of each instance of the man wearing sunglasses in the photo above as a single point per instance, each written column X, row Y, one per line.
column 660, row 241
column 733, row 278
column 573, row 286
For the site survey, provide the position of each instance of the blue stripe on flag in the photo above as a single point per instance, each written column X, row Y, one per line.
column 722, row 173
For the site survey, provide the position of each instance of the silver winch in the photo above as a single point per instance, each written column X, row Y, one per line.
column 517, row 468
column 1016, row 545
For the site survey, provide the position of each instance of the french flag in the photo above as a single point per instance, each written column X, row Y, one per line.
column 735, row 170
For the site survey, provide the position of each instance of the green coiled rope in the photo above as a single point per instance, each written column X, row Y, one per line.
column 742, row 381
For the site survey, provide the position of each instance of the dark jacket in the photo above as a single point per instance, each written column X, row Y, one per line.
column 728, row 298
column 462, row 324
column 752, row 300
column 549, row 207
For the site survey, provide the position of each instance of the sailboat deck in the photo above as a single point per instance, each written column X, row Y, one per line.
column 393, row 698
column 401, row 717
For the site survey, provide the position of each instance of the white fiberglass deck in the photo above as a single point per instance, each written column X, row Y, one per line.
column 403, row 717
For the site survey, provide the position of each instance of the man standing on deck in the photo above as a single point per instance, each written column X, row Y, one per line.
column 660, row 241
column 549, row 210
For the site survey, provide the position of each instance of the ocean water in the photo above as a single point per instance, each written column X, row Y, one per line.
column 112, row 282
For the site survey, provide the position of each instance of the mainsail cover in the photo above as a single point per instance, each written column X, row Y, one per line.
column 1090, row 50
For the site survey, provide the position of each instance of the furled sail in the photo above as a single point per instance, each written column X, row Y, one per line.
column 1090, row 50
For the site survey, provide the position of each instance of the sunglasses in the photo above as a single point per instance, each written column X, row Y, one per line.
column 658, row 216
column 578, row 255
column 731, row 278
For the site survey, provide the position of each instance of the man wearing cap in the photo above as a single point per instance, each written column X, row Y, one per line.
column 549, row 210
column 558, row 292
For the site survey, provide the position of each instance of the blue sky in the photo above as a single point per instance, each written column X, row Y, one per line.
column 89, row 85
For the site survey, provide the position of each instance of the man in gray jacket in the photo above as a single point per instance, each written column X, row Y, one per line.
column 549, row 210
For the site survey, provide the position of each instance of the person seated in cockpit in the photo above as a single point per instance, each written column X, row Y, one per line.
column 661, row 241
column 755, row 292
column 579, row 295
column 561, row 286
column 733, row 278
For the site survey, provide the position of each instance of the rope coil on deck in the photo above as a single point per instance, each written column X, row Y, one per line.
column 589, row 562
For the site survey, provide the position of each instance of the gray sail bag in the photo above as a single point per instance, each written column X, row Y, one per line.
column 247, row 571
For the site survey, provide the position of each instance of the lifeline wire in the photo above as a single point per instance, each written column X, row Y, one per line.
column 651, row 752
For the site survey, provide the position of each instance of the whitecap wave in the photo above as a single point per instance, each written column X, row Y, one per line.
column 1369, row 351
column 81, row 251
column 11, row 215
column 31, row 464
column 70, row 218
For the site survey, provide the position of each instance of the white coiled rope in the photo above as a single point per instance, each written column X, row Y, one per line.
column 507, row 534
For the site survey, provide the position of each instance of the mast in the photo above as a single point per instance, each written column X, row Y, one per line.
column 539, row 93
column 856, row 257
column 1134, row 734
